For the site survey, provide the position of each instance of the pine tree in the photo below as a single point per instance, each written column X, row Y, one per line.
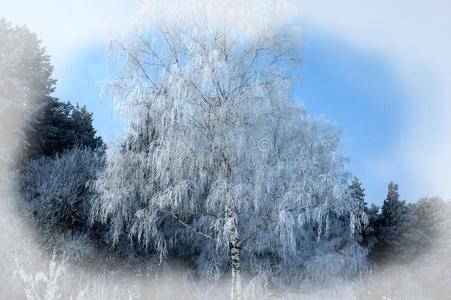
column 370, row 232
column 357, row 192
column 394, row 227
column 431, row 218
column 367, row 236
column 395, row 215
column 431, row 214
column 61, row 126
column 32, row 122
column 85, row 134
column 25, row 67
column 25, row 82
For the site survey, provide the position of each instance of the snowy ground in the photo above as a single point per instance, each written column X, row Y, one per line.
column 28, row 273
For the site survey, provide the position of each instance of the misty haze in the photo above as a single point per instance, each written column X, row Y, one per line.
column 225, row 150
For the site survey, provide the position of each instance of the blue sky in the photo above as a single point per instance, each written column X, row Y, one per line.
column 82, row 81
column 352, row 88
column 381, row 70
column 359, row 92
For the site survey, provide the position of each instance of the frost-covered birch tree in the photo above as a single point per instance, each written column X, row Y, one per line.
column 221, row 162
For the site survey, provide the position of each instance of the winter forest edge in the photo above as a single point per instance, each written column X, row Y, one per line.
column 222, row 185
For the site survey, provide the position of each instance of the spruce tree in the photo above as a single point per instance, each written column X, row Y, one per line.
column 25, row 81
column 85, row 134
column 33, row 123
column 394, row 227
column 357, row 192
column 368, row 234
column 62, row 126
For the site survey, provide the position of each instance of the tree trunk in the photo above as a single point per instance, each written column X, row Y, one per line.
column 235, row 251
column 236, row 272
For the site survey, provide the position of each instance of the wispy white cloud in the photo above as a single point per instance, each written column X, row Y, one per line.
column 66, row 27
column 413, row 35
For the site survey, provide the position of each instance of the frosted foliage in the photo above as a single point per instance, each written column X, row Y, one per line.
column 43, row 286
column 54, row 189
column 218, row 157
column 239, row 17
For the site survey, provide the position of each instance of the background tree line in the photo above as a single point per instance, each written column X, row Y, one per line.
column 399, row 231
column 51, row 144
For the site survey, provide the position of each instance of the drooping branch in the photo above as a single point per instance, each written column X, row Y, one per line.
column 195, row 230
column 259, row 226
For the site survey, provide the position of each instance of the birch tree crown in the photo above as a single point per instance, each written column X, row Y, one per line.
column 217, row 153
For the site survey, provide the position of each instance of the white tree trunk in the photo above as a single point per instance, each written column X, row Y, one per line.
column 236, row 273
column 235, row 251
